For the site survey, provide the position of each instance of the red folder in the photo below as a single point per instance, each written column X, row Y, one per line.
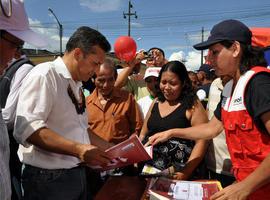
column 126, row 153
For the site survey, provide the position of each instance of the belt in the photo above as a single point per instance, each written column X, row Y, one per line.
column 43, row 171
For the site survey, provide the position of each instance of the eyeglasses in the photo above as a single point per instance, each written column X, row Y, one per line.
column 79, row 106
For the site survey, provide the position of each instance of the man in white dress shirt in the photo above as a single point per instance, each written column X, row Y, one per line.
column 51, row 121
column 14, row 31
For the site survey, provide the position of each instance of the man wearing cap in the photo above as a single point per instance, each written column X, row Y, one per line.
column 205, row 75
column 15, row 30
column 150, row 78
column 244, row 110
column 7, row 51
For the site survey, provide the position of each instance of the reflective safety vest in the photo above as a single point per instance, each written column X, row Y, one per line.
column 248, row 146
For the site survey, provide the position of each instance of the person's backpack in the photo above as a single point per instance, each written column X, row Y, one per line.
column 5, row 80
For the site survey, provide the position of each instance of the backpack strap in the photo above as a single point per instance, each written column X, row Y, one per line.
column 5, row 80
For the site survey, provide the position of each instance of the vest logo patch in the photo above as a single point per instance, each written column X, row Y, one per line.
column 237, row 101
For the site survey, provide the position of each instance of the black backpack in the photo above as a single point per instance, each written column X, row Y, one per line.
column 5, row 80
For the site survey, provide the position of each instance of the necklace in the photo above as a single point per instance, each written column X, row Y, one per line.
column 79, row 105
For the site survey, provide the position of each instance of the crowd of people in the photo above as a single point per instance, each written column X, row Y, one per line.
column 213, row 123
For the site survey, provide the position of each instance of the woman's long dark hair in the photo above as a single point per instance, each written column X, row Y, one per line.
column 252, row 56
column 188, row 95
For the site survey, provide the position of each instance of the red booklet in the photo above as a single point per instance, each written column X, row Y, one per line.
column 168, row 189
column 126, row 153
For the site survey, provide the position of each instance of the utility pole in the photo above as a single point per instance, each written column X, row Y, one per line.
column 129, row 14
column 202, row 50
column 60, row 29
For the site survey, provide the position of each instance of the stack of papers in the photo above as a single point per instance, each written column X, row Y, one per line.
column 168, row 189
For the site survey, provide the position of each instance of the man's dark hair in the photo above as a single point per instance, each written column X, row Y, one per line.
column 252, row 56
column 85, row 38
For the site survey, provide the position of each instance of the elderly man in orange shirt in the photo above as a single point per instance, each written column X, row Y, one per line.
column 113, row 114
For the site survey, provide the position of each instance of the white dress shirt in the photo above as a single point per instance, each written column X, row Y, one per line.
column 144, row 104
column 44, row 102
column 217, row 156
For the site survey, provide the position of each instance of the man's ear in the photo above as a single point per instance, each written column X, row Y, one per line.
column 78, row 54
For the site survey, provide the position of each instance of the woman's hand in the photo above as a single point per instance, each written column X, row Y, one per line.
column 141, row 137
column 158, row 138
column 237, row 191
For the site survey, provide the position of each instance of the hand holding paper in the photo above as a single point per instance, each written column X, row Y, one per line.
column 126, row 153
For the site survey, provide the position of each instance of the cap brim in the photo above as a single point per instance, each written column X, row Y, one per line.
column 206, row 44
column 150, row 76
column 30, row 37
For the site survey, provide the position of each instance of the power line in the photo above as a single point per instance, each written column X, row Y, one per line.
column 129, row 14
column 168, row 16
column 155, row 27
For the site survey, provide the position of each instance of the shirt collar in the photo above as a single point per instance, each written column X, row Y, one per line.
column 63, row 70
column 94, row 96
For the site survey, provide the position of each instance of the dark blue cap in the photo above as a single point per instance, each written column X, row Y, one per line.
column 231, row 30
column 206, row 68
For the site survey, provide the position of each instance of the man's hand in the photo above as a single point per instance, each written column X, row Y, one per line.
column 138, row 58
column 237, row 191
column 92, row 155
column 158, row 138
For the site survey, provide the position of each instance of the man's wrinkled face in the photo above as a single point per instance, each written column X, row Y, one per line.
column 104, row 81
